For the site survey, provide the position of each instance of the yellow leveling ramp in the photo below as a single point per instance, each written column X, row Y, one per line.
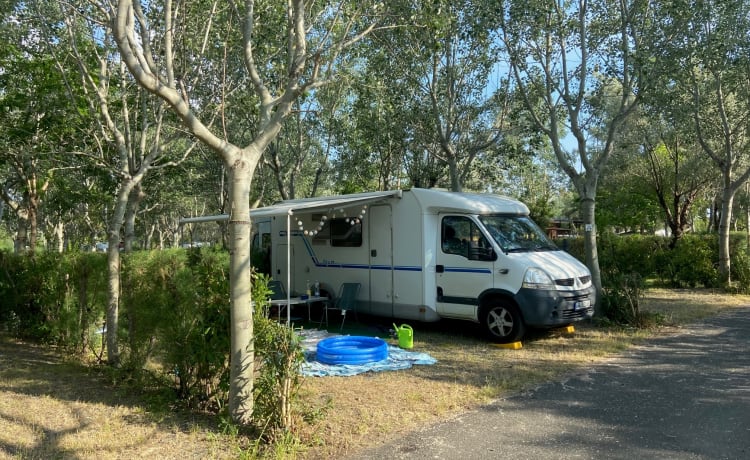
column 510, row 346
column 570, row 329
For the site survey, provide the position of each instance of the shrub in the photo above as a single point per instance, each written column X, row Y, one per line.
column 691, row 263
column 621, row 296
column 740, row 272
column 279, row 357
column 176, row 314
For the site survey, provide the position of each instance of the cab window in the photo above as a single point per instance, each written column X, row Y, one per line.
column 461, row 236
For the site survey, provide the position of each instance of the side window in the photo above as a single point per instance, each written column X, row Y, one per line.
column 346, row 233
column 461, row 236
column 455, row 233
column 340, row 232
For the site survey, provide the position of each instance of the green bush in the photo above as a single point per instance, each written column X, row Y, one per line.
column 691, row 263
column 279, row 357
column 621, row 296
column 630, row 253
column 13, row 292
column 88, row 295
column 176, row 315
column 740, row 272
column 52, row 297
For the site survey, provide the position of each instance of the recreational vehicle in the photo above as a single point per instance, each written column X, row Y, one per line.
column 424, row 254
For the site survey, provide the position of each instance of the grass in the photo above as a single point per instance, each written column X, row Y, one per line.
column 50, row 408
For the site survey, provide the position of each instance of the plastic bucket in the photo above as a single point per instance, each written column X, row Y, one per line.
column 405, row 336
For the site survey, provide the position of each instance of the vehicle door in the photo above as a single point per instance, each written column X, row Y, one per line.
column 381, row 260
column 465, row 265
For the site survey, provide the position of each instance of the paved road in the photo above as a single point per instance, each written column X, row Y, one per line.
column 685, row 396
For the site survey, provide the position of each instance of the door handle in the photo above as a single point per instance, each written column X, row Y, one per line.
column 503, row 271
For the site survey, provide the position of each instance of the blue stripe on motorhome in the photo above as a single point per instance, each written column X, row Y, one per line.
column 467, row 270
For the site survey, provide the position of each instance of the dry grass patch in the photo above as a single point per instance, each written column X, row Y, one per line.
column 681, row 306
column 53, row 409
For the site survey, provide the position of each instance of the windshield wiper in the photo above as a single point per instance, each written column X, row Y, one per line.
column 546, row 247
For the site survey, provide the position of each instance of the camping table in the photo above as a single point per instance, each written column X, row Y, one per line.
column 299, row 301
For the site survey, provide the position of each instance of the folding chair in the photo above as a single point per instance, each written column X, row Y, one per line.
column 346, row 300
column 277, row 290
column 277, row 293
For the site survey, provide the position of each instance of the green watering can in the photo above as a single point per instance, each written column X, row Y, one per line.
column 405, row 335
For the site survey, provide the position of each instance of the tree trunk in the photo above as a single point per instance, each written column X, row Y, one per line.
column 241, row 310
column 113, row 273
column 724, row 228
column 22, row 233
column 33, row 222
column 456, row 185
column 588, row 214
column 134, row 199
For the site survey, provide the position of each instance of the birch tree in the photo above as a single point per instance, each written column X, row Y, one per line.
column 577, row 65
column 704, row 52
column 132, row 136
column 444, row 66
column 286, row 50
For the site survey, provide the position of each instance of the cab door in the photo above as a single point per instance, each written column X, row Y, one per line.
column 465, row 266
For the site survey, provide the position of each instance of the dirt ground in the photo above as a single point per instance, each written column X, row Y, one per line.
column 51, row 409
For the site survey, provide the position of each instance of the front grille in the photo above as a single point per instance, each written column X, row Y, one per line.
column 574, row 298
column 569, row 282
column 575, row 314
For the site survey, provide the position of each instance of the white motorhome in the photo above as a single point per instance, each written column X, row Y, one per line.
column 425, row 254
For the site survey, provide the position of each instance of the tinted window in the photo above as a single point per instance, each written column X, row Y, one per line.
column 346, row 232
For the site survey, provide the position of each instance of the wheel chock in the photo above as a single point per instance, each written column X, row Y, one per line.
column 509, row 346
column 569, row 329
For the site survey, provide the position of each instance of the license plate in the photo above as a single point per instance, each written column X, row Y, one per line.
column 581, row 304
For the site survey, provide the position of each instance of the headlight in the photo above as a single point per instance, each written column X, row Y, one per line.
column 536, row 278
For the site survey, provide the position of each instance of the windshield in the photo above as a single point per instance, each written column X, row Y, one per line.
column 517, row 234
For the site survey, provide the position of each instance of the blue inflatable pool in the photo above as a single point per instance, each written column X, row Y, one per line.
column 351, row 350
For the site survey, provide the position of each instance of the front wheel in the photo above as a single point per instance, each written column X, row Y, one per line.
column 502, row 322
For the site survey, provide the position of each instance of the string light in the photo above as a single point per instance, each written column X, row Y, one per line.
column 319, row 227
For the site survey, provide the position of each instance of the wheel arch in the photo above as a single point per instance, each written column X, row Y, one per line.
column 488, row 297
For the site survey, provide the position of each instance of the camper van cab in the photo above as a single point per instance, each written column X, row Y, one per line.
column 425, row 254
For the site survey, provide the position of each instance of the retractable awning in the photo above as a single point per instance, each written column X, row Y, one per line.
column 320, row 204
column 291, row 207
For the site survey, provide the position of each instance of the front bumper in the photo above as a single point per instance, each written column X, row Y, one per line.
column 548, row 308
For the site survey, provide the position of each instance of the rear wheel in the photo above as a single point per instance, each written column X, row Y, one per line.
column 502, row 322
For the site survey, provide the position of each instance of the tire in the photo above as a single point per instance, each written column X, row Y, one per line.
column 502, row 322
